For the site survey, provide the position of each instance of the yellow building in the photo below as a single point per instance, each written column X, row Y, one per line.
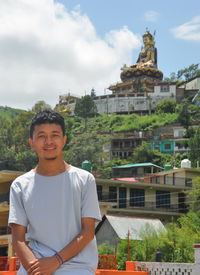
column 6, row 178
column 159, row 195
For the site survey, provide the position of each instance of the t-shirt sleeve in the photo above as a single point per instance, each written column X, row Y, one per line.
column 90, row 204
column 17, row 213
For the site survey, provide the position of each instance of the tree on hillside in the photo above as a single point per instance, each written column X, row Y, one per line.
column 184, row 115
column 5, row 134
column 194, row 144
column 85, row 108
column 40, row 106
column 93, row 93
column 188, row 72
column 166, row 106
column 20, row 131
column 87, row 146
column 194, row 196
column 184, row 74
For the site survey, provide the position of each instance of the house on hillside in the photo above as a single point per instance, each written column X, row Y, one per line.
column 157, row 195
column 113, row 228
column 135, row 169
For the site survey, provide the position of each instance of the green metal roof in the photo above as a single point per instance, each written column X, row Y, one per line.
column 137, row 165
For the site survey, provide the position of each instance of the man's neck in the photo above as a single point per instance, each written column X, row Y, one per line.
column 51, row 167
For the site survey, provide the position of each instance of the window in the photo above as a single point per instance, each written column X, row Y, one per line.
column 136, row 197
column 162, row 199
column 157, row 180
column 99, row 192
column 112, row 194
column 165, row 179
column 125, row 155
column 188, row 182
column 127, row 144
column 115, row 144
column 122, row 197
column 168, row 146
column 164, row 89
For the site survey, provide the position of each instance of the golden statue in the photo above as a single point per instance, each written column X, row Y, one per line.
column 148, row 54
column 143, row 75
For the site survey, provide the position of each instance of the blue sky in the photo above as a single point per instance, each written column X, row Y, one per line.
column 52, row 47
column 163, row 16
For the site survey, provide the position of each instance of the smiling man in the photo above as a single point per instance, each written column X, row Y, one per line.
column 56, row 204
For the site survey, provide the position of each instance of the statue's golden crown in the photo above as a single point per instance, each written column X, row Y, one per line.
column 147, row 33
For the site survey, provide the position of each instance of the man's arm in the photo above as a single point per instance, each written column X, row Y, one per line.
column 26, row 256
column 80, row 241
column 19, row 244
column 47, row 266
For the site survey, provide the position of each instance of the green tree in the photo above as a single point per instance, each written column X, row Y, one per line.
column 144, row 153
column 184, row 115
column 166, row 106
column 194, row 144
column 87, row 146
column 40, row 106
column 20, row 131
column 184, row 74
column 106, row 249
column 85, row 108
column 188, row 72
column 5, row 135
column 194, row 195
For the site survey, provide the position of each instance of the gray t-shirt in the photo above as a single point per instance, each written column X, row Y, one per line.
column 51, row 208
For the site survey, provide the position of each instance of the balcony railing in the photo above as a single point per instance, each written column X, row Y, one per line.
column 141, row 204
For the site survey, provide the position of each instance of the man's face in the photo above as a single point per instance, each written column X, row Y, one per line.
column 48, row 141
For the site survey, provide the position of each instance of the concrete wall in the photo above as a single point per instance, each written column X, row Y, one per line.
column 193, row 84
column 140, row 104
column 171, row 93
column 154, row 268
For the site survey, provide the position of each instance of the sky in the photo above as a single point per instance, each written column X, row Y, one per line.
column 53, row 47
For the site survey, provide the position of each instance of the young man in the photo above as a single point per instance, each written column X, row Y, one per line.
column 56, row 204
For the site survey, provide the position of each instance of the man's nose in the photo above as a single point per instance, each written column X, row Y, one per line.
column 48, row 139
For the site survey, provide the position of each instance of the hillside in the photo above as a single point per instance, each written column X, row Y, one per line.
column 119, row 123
column 9, row 112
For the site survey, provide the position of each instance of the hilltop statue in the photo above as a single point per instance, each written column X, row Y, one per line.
column 142, row 75
column 148, row 55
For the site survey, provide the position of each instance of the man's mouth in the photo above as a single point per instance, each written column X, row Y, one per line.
column 49, row 149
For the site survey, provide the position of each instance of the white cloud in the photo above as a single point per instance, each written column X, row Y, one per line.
column 151, row 16
column 46, row 51
column 189, row 30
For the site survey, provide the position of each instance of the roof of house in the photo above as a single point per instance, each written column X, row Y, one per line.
column 126, row 179
column 135, row 226
column 130, row 165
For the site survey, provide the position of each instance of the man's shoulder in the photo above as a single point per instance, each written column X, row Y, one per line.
column 24, row 178
column 80, row 173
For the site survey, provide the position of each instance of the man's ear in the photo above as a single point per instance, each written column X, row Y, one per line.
column 65, row 140
column 30, row 141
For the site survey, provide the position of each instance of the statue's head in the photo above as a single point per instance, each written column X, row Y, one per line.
column 148, row 39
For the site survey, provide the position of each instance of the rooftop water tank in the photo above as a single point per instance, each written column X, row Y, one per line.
column 167, row 167
column 185, row 163
column 86, row 165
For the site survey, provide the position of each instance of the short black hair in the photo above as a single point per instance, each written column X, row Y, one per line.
column 46, row 116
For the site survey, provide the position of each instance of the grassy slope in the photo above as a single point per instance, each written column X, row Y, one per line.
column 8, row 112
column 118, row 123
